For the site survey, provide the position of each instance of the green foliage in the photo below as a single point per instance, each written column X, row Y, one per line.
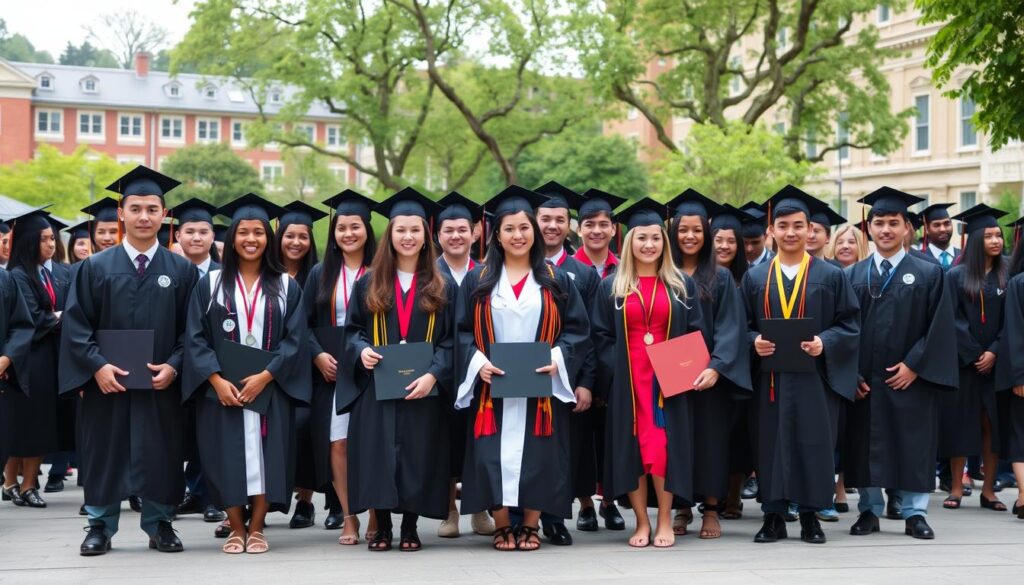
column 307, row 177
column 17, row 47
column 983, row 41
column 733, row 165
column 69, row 182
column 88, row 55
column 211, row 172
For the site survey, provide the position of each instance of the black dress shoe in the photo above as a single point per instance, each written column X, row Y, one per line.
column 587, row 520
column 612, row 518
column 81, row 511
column 772, row 530
column 750, row 489
column 96, row 541
column 894, row 508
column 135, row 503
column 13, row 494
column 841, row 507
column 190, row 505
column 558, row 535
column 222, row 531
column 212, row 514
column 304, row 515
column 33, row 499
column 918, row 527
column 810, row 529
column 866, row 523
column 165, row 540
column 335, row 519
column 54, row 484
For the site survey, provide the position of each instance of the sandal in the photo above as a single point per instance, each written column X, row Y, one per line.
column 350, row 539
column 256, row 544
column 381, row 541
column 710, row 533
column 234, row 545
column 682, row 519
column 503, row 537
column 952, row 503
column 731, row 513
column 528, row 536
column 1018, row 511
column 410, row 541
column 995, row 504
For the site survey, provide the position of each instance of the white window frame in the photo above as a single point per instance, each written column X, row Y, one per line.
column 840, row 129
column 299, row 126
column 208, row 140
column 238, row 143
column 49, row 80
column 339, row 171
column 172, row 139
column 174, row 90
column 337, row 145
column 131, row 138
column 275, row 95
column 49, row 134
column 271, row 164
column 90, row 136
column 810, row 143
column 779, row 128
column 917, row 152
column 974, row 198
column 209, row 92
column 736, row 83
column 95, row 85
column 883, row 6
column 961, row 147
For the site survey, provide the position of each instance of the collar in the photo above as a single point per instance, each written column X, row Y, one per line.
column 453, row 268
column 133, row 253
column 204, row 266
column 895, row 260
column 938, row 252
column 581, row 255
column 48, row 265
column 762, row 258
column 558, row 258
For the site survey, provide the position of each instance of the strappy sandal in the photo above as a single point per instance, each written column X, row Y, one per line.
column 504, row 536
column 256, row 544
column 350, row 539
column 234, row 545
column 995, row 504
column 410, row 541
column 731, row 513
column 381, row 541
column 708, row 533
column 526, row 536
column 951, row 503
column 683, row 519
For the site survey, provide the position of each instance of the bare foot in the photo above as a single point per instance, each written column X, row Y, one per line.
column 664, row 537
column 641, row 538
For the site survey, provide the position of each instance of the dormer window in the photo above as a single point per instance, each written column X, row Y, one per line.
column 276, row 96
column 90, row 84
column 210, row 92
column 46, row 82
column 174, row 90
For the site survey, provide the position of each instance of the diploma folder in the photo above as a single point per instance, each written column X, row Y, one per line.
column 520, row 361
column 787, row 335
column 331, row 339
column 401, row 364
column 678, row 361
column 130, row 350
column 238, row 362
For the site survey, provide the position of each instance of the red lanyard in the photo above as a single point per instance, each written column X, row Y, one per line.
column 250, row 310
column 53, row 294
column 344, row 292
column 404, row 309
column 471, row 265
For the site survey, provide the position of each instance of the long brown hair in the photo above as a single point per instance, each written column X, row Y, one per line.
column 380, row 294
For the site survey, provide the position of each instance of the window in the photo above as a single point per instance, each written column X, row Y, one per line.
column 210, row 92
column 48, row 122
column 307, row 131
column 131, row 159
column 276, row 95
column 333, row 137
column 968, row 133
column 89, row 85
column 237, row 133
column 235, row 96
column 172, row 128
column 130, row 126
column 968, row 199
column 779, row 128
column 632, row 114
column 921, row 132
column 174, row 90
column 207, row 130
column 812, row 144
column 90, row 124
column 46, row 82
column 884, row 13
column 271, row 172
column 843, row 135
column 736, row 83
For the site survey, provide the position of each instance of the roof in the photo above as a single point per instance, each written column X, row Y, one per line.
column 123, row 88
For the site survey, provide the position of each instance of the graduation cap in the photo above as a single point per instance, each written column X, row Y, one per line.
column 32, row 220
column 598, row 201
column 692, row 202
column 164, row 236
column 457, row 206
column 644, row 212
column 79, row 230
column 349, row 202
column 887, row 201
column 1017, row 225
column 559, row 196
column 828, row 218
column 513, row 199
column 298, row 212
column 103, row 210
column 408, row 201
column 219, row 232
column 755, row 223
column 193, row 210
column 56, row 224
column 730, row 218
column 250, row 206
column 980, row 217
column 790, row 200
column 936, row 211
column 143, row 181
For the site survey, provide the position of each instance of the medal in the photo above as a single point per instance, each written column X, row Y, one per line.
column 250, row 310
column 648, row 312
column 648, row 338
column 250, row 340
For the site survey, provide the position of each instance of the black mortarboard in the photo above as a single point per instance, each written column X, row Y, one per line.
column 755, row 224
column 692, row 202
column 408, row 201
column 827, row 217
column 193, row 210
column 79, row 230
column 916, row 221
column 251, row 206
column 979, row 217
column 298, row 212
column 4, row 228
column 644, row 212
column 103, row 210
column 887, row 201
column 34, row 219
column 750, row 205
column 730, row 218
column 789, row 200
column 143, row 181
column 456, row 206
column 559, row 196
column 936, row 211
column 513, row 199
column 219, row 232
column 163, row 235
column 56, row 224
column 598, row 201
column 349, row 202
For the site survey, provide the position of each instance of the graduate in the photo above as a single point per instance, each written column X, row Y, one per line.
column 295, row 239
column 518, row 449
column 968, row 419
column 456, row 237
column 1009, row 374
column 400, row 458
column 847, row 246
column 105, row 230
column 247, row 457
column 5, row 245
column 938, row 235
column 16, row 332
column 755, row 239
column 351, row 246
column 906, row 361
column 726, row 235
column 130, row 440
column 727, row 377
column 597, row 228
column 79, row 243
column 820, row 233
column 29, row 420
column 797, row 413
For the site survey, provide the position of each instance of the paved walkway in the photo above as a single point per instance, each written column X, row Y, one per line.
column 41, row 546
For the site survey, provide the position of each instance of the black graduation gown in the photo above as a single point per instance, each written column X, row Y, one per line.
column 191, row 449
column 623, row 466
column 892, row 435
column 398, row 449
column 16, row 332
column 130, row 443
column 960, row 412
column 796, row 432
column 220, row 431
column 457, row 419
column 1010, row 373
column 545, row 476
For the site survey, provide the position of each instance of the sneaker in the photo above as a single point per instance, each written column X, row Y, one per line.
column 449, row 527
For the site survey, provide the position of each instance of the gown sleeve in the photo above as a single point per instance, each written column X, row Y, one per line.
column 290, row 366
column 1010, row 355
column 177, row 357
column 43, row 321
column 573, row 343
column 444, row 344
column 747, row 291
column 200, row 357
column 80, row 355
column 588, row 290
column 469, row 359
column 602, row 323
column 841, row 340
column 731, row 354
column 20, row 330
column 968, row 348
column 352, row 377
column 931, row 356
column 309, row 293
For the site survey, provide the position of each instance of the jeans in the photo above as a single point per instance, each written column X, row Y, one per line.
column 109, row 515
column 914, row 503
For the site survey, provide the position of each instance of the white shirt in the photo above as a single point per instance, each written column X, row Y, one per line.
column 344, row 288
column 760, row 259
column 938, row 252
column 405, row 279
column 457, row 273
column 894, row 260
column 204, row 266
column 133, row 253
column 558, row 257
column 789, row 271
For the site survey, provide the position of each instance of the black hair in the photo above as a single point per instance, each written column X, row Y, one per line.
column 495, row 260
column 214, row 253
column 72, row 240
column 739, row 266
column 308, row 261
column 25, row 250
column 973, row 258
column 594, row 213
column 271, row 268
column 705, row 274
column 334, row 259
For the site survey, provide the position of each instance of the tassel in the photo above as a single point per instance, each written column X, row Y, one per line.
column 485, row 425
column 263, row 426
column 543, row 426
column 659, row 407
column 170, row 230
column 771, row 388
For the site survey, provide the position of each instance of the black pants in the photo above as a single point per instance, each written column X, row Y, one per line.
column 384, row 523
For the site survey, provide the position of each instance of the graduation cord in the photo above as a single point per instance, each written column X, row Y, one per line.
column 659, row 398
column 800, row 284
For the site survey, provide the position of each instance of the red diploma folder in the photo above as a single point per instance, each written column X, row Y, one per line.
column 678, row 361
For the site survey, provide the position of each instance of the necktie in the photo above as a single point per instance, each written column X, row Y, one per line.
column 886, row 270
column 141, row 260
column 944, row 258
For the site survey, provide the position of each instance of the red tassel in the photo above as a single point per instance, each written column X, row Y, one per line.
column 543, row 426
column 485, row 425
column 263, row 426
column 771, row 388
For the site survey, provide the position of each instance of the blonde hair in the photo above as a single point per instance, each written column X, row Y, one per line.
column 626, row 281
column 858, row 236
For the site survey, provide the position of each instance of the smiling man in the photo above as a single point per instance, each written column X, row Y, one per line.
column 938, row 234
column 597, row 228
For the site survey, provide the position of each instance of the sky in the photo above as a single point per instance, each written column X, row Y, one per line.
column 50, row 24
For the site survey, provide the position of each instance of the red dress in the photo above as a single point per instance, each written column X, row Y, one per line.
column 653, row 443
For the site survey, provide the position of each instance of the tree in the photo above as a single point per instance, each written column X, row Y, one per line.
column 162, row 62
column 982, row 39
column 730, row 165
column 69, row 182
column 211, row 172
column 127, row 33
column 306, row 176
column 794, row 62
column 87, row 55
column 17, row 47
